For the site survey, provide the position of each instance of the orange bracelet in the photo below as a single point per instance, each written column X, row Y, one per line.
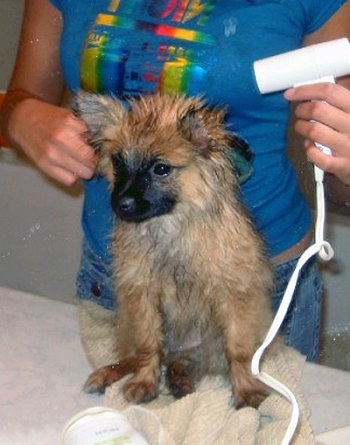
column 9, row 101
column 3, row 141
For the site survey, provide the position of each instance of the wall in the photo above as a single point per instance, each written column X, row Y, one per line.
column 337, row 275
column 39, row 232
column 39, row 222
column 10, row 22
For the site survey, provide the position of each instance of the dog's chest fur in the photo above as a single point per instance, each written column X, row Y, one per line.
column 167, row 261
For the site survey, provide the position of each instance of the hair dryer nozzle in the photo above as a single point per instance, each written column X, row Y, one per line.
column 303, row 65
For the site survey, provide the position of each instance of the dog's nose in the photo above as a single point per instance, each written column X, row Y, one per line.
column 126, row 204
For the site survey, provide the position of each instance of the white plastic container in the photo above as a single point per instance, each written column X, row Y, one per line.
column 100, row 425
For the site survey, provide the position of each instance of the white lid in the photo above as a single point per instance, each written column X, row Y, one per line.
column 99, row 424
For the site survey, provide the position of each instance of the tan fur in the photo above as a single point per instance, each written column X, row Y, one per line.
column 193, row 285
column 97, row 330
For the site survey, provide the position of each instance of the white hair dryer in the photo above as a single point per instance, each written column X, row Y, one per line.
column 310, row 64
column 315, row 63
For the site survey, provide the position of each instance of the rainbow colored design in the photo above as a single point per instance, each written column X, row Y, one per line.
column 161, row 30
column 107, row 64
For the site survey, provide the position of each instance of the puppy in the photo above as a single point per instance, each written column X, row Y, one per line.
column 192, row 279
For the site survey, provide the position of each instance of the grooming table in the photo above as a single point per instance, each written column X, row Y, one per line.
column 43, row 368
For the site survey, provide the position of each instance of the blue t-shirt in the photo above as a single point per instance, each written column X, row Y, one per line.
column 130, row 47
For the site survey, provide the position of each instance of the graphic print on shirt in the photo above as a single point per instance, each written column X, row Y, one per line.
column 144, row 46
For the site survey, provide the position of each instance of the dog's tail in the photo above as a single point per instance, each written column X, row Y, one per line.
column 105, row 376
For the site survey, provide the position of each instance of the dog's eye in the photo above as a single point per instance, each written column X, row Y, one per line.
column 161, row 169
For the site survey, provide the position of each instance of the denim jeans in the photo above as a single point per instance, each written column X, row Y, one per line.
column 95, row 279
column 300, row 328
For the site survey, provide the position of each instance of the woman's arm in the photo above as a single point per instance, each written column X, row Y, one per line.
column 31, row 117
column 323, row 115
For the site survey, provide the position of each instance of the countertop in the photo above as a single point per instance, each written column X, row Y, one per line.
column 43, row 368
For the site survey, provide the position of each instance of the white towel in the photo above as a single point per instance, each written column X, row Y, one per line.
column 207, row 416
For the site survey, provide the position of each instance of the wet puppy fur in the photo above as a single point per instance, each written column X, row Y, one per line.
column 193, row 283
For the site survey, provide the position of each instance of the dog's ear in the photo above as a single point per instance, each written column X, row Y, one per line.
column 192, row 127
column 99, row 112
column 201, row 124
column 241, row 157
column 204, row 127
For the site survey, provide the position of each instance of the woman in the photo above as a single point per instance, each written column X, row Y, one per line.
column 142, row 46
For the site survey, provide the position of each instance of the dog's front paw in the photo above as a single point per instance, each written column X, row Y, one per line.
column 103, row 377
column 98, row 381
column 252, row 395
column 140, row 391
column 180, row 378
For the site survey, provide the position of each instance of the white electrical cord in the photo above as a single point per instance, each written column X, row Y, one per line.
column 325, row 251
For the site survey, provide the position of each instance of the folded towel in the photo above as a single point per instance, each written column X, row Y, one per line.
column 208, row 417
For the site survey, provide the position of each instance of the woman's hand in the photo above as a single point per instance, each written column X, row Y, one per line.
column 323, row 115
column 54, row 139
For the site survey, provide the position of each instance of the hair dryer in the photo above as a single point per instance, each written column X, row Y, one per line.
column 315, row 63
column 310, row 64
